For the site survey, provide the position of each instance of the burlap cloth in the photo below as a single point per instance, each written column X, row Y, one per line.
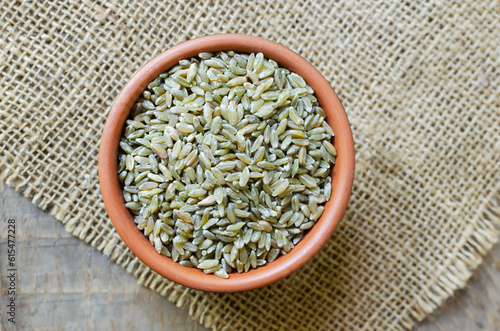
column 420, row 84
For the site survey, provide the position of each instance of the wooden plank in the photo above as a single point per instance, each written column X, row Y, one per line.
column 477, row 306
column 65, row 284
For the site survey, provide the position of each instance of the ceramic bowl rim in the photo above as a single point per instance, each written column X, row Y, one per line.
column 313, row 241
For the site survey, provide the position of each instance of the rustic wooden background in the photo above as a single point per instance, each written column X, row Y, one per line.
column 65, row 284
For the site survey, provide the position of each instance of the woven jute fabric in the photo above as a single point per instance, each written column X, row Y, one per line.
column 420, row 82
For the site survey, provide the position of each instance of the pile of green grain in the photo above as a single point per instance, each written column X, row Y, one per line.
column 225, row 162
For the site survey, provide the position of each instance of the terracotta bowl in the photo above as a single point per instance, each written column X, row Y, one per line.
column 342, row 173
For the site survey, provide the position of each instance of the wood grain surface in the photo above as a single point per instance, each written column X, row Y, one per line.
column 65, row 284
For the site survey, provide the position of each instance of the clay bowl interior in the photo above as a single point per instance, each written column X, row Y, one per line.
column 342, row 173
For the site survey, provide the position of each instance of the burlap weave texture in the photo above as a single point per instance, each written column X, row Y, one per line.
column 420, row 85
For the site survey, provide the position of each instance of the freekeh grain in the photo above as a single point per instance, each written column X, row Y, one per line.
column 225, row 162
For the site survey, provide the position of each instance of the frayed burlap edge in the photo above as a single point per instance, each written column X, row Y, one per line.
column 480, row 239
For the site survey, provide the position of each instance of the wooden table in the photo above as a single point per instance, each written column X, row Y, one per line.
column 65, row 284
